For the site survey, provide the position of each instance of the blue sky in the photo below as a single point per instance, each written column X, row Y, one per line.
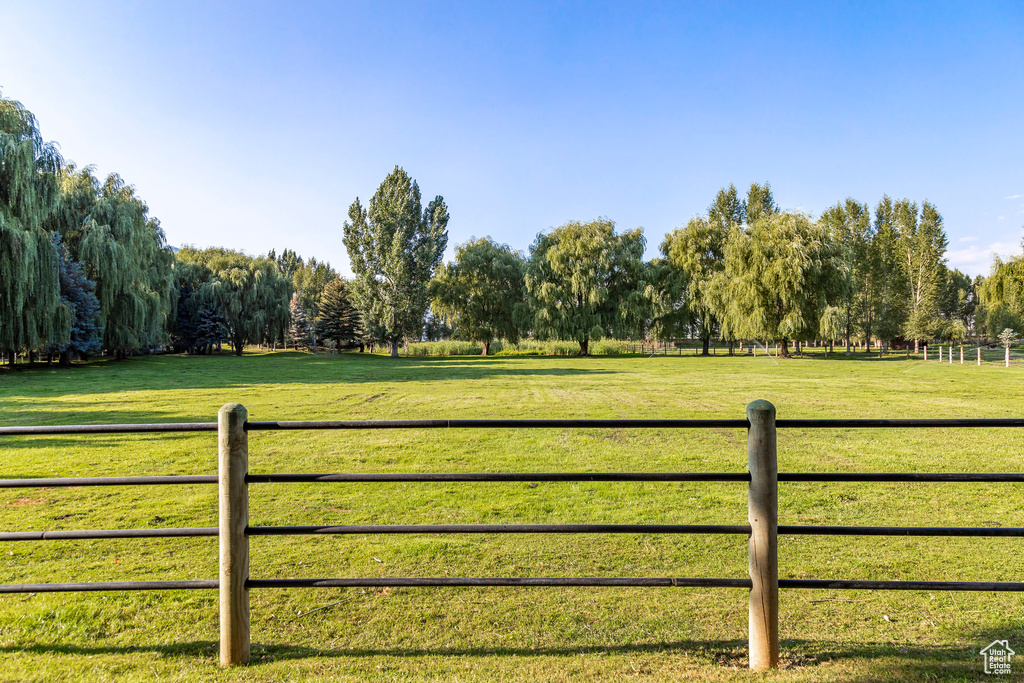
column 255, row 125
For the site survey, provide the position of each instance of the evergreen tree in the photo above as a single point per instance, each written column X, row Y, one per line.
column 394, row 247
column 585, row 282
column 482, row 293
column 299, row 331
column 77, row 293
column 309, row 282
column 338, row 321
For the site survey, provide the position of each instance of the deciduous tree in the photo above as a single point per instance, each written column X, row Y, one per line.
column 780, row 276
column 849, row 224
column 32, row 315
column 922, row 244
column 249, row 292
column 585, row 282
column 482, row 293
column 394, row 246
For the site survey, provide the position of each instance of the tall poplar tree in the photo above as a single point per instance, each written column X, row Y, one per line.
column 394, row 246
column 922, row 243
column 849, row 224
column 760, row 203
column 887, row 275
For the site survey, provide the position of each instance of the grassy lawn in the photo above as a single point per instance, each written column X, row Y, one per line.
column 508, row 633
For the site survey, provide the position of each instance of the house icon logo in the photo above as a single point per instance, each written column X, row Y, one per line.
column 997, row 657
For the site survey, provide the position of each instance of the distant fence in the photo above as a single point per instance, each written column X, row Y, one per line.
column 762, row 528
column 943, row 353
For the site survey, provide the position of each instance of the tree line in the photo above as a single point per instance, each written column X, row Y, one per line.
column 87, row 269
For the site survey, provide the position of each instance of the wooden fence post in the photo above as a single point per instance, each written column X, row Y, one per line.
column 763, row 514
column 233, row 446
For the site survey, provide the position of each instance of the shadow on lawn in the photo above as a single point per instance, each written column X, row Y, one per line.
column 169, row 372
column 861, row 662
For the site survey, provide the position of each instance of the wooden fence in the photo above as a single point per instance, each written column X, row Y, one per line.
column 762, row 528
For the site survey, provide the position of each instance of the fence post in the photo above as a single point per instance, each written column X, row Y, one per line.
column 233, row 446
column 763, row 513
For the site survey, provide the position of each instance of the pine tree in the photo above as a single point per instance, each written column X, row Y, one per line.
column 77, row 292
column 309, row 281
column 298, row 331
column 338, row 320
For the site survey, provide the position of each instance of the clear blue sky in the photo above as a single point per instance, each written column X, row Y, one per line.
column 254, row 125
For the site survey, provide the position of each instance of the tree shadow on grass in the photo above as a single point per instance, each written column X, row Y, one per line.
column 171, row 372
column 870, row 661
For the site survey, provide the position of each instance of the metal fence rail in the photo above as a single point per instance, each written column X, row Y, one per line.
column 762, row 528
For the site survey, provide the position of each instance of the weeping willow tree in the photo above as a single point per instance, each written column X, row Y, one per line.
column 251, row 294
column 585, row 282
column 482, row 293
column 780, row 276
column 125, row 253
column 32, row 315
column 1002, row 296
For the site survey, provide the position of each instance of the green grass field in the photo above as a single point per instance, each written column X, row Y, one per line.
column 508, row 633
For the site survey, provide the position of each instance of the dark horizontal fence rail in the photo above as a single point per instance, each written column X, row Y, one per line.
column 102, row 586
column 371, row 477
column 385, row 529
column 59, row 482
column 233, row 437
column 859, row 423
column 167, row 532
column 109, row 429
column 501, row 529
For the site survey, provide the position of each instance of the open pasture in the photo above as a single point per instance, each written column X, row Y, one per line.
column 508, row 633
